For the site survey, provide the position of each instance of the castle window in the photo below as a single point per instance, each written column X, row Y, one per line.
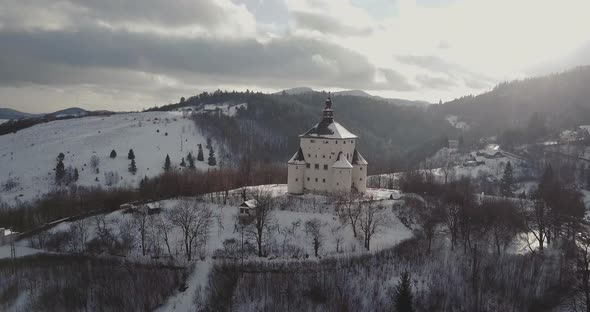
column 343, row 142
column 316, row 179
column 325, row 167
column 311, row 141
column 360, row 179
column 316, row 155
column 309, row 155
column 296, row 179
column 340, row 171
column 336, row 142
column 296, row 167
column 307, row 178
column 317, row 166
column 325, row 142
column 351, row 141
column 337, row 183
column 323, row 156
column 324, row 180
column 307, row 165
column 361, row 168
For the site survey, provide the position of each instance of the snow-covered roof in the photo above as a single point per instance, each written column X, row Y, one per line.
column 342, row 162
column 251, row 203
column 358, row 159
column 298, row 158
column 329, row 129
column 153, row 205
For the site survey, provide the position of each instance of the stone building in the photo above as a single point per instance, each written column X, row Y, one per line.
column 327, row 159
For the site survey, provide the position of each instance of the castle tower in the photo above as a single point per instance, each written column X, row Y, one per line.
column 327, row 159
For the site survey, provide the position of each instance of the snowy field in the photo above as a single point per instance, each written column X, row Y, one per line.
column 28, row 157
column 287, row 235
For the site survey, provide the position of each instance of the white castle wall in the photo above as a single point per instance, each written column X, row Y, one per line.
column 359, row 177
column 295, row 176
column 320, row 154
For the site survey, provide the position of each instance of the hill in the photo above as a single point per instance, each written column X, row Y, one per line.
column 28, row 157
column 558, row 101
column 359, row 93
column 269, row 125
column 9, row 113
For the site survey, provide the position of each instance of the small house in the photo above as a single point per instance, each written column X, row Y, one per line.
column 245, row 209
column 6, row 236
column 153, row 208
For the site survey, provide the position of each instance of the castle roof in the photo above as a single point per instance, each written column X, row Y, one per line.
column 298, row 158
column 330, row 130
column 327, row 127
column 357, row 158
column 342, row 162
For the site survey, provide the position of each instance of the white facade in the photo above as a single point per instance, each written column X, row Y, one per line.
column 327, row 159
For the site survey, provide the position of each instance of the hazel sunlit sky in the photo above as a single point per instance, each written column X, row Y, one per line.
column 134, row 54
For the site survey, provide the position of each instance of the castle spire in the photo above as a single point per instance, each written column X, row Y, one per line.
column 328, row 115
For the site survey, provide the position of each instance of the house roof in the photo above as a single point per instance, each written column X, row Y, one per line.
column 298, row 158
column 342, row 162
column 329, row 129
column 251, row 203
column 358, row 159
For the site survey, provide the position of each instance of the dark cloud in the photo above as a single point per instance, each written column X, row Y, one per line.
column 395, row 81
column 327, row 24
column 59, row 57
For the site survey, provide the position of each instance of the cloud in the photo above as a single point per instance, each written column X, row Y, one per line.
column 62, row 57
column 435, row 82
column 327, row 24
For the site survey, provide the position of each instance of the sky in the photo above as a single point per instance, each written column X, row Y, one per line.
column 133, row 54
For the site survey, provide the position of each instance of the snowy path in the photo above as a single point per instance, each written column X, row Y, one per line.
column 21, row 251
column 184, row 301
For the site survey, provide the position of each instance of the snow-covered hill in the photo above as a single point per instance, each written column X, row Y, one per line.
column 28, row 157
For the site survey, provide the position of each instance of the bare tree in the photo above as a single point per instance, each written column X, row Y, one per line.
column 163, row 228
column 348, row 209
column 313, row 228
column 79, row 232
column 94, row 162
column 194, row 219
column 502, row 220
column 140, row 222
column 372, row 219
column 336, row 230
column 262, row 217
column 582, row 265
column 536, row 216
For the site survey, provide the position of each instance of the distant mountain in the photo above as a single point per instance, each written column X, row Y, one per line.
column 9, row 113
column 559, row 101
column 296, row 91
column 359, row 93
column 70, row 112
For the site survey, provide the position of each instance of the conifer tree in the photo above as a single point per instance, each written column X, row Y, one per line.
column 167, row 164
column 507, row 182
column 132, row 167
column 191, row 160
column 212, row 161
column 113, row 154
column 131, row 155
column 60, row 171
column 182, row 162
column 403, row 300
column 200, row 156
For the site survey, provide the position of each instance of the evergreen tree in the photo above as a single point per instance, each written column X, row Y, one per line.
column 76, row 175
column 507, row 183
column 167, row 164
column 60, row 171
column 61, row 157
column 182, row 162
column 131, row 155
column 132, row 167
column 191, row 161
column 113, row 154
column 212, row 161
column 403, row 300
column 200, row 156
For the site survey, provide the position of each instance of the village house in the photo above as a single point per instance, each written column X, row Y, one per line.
column 327, row 159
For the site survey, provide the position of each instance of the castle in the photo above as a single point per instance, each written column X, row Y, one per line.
column 327, row 159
